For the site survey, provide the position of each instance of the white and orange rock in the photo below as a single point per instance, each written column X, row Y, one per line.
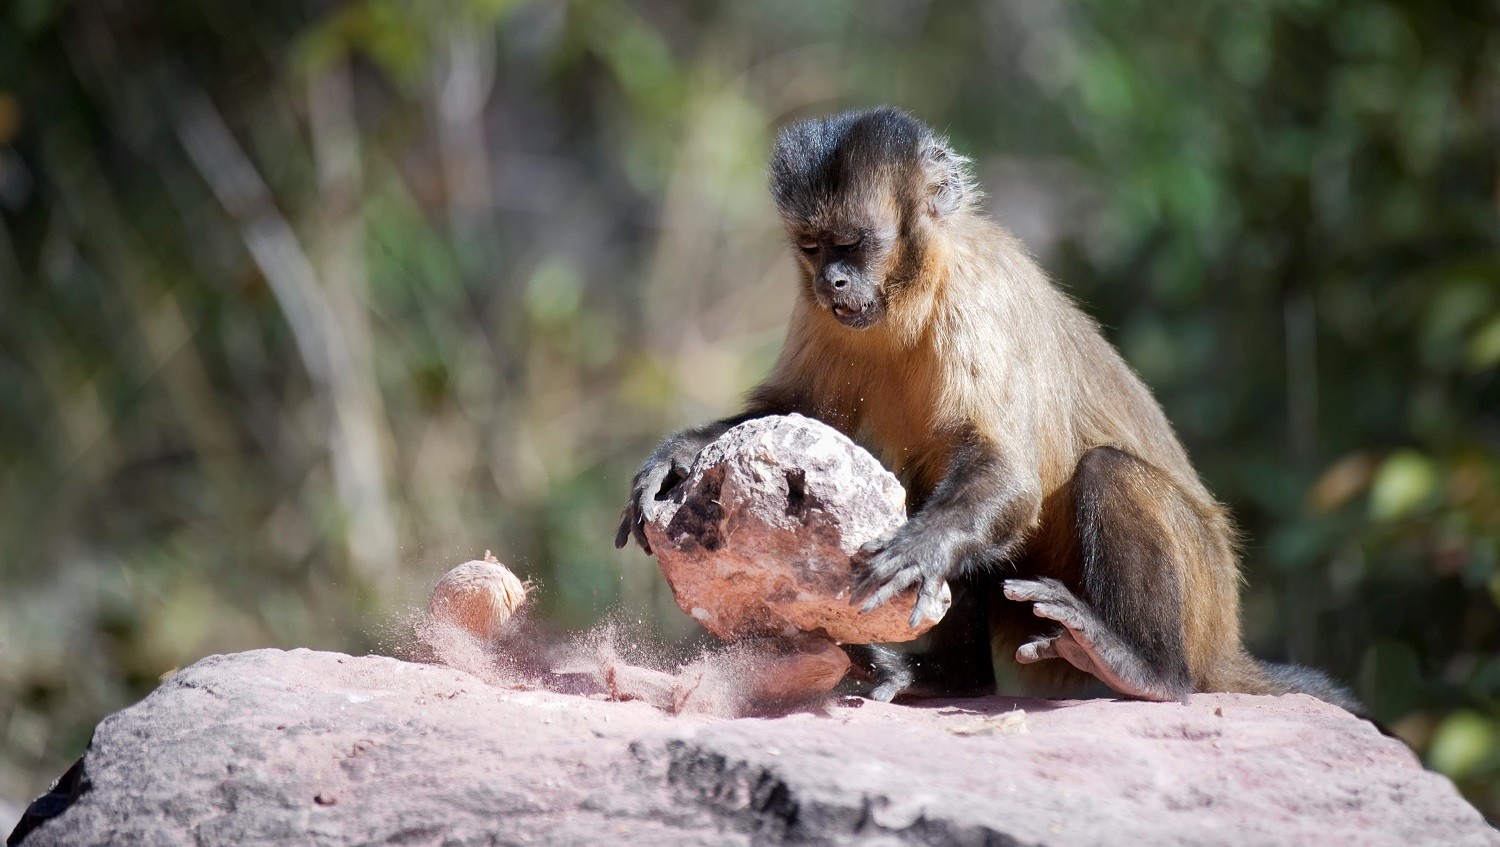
column 760, row 539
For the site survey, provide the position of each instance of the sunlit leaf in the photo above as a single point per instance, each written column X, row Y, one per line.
column 1404, row 480
column 1463, row 741
column 1484, row 345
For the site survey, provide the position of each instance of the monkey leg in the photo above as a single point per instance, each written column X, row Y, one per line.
column 1087, row 643
column 888, row 671
column 1136, row 532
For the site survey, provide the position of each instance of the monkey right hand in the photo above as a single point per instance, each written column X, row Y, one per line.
column 918, row 555
column 661, row 473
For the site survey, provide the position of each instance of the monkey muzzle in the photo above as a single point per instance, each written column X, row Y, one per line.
column 852, row 302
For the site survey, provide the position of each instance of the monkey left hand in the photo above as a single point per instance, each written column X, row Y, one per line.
column 914, row 556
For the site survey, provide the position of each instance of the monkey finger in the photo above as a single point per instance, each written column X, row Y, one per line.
column 1020, row 590
column 1037, row 651
column 930, row 605
column 903, row 580
column 1031, row 590
column 640, row 535
column 656, row 484
column 1050, row 611
column 877, row 572
column 873, row 547
column 863, row 588
column 633, row 525
column 871, row 580
column 1062, row 613
column 622, row 535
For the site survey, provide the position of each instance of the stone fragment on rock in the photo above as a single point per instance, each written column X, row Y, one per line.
column 760, row 538
column 761, row 676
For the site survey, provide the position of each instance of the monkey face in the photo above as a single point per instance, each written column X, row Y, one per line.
column 838, row 267
column 862, row 194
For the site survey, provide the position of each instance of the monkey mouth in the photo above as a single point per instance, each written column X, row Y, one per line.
column 855, row 317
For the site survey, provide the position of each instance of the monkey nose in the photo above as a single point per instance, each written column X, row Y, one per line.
column 839, row 283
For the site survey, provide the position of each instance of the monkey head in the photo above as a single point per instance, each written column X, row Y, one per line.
column 862, row 196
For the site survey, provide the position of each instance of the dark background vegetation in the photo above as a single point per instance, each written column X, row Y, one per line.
column 303, row 302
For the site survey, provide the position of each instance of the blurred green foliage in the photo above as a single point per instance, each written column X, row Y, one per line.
column 302, row 302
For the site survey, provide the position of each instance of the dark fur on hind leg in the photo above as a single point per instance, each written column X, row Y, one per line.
column 1129, row 619
column 1088, row 644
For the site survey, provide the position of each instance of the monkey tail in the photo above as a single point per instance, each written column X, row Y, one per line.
column 1276, row 678
column 1295, row 679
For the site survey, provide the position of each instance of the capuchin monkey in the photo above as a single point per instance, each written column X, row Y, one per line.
column 1045, row 483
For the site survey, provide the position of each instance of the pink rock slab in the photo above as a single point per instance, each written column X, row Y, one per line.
column 271, row 748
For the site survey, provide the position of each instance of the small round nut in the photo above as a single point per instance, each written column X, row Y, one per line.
column 479, row 596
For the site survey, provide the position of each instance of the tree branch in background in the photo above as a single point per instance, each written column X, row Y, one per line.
column 334, row 351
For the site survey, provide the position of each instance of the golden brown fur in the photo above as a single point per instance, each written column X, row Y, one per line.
column 983, row 336
column 1029, row 448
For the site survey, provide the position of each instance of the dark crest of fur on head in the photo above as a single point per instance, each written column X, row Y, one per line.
column 818, row 164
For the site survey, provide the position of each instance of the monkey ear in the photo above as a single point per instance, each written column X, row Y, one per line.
column 950, row 184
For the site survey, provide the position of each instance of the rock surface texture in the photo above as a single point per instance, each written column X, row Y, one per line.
column 758, row 540
column 271, row 748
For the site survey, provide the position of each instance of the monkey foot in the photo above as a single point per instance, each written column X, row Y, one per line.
column 890, row 671
column 1086, row 643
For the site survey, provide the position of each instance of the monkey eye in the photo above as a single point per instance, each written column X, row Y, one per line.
column 808, row 247
column 848, row 242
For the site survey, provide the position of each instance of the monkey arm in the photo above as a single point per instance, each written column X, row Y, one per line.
column 978, row 512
